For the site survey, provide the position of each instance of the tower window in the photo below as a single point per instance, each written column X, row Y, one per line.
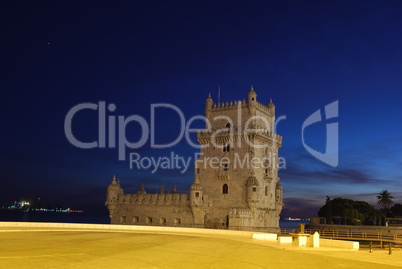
column 254, row 189
column 266, row 190
column 198, row 170
column 197, row 194
column 229, row 127
column 225, row 189
column 225, row 167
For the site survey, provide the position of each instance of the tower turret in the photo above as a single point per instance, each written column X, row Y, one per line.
column 208, row 105
column 142, row 190
column 251, row 192
column 196, row 192
column 112, row 195
column 252, row 100
column 196, row 202
column 271, row 109
column 278, row 196
column 252, row 96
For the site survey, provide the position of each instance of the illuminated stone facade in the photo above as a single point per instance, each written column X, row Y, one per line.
column 236, row 184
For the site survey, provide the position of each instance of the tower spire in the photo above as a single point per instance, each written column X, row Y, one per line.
column 163, row 189
column 196, row 179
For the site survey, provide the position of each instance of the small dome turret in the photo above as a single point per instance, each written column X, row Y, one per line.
column 252, row 198
column 114, row 185
column 174, row 190
column 196, row 193
column 252, row 181
column 196, row 187
column 142, row 190
column 208, row 105
column 252, row 95
column 112, row 194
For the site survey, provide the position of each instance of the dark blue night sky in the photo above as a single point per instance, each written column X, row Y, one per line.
column 302, row 54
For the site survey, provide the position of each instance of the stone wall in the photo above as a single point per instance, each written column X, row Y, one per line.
column 153, row 209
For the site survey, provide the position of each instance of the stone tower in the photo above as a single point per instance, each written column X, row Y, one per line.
column 236, row 184
column 238, row 167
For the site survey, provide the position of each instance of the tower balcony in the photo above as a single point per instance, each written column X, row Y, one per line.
column 223, row 175
column 204, row 136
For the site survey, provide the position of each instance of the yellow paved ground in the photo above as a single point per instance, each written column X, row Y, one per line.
column 83, row 249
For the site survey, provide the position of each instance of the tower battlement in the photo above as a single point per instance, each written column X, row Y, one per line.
column 239, row 104
column 155, row 198
column 229, row 105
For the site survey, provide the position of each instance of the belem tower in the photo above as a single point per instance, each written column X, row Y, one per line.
column 240, row 192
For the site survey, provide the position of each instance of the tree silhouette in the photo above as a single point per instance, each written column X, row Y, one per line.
column 351, row 212
column 396, row 210
column 384, row 199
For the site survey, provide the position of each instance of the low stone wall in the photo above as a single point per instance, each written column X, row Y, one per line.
column 100, row 227
column 339, row 244
column 164, row 229
column 265, row 236
column 285, row 239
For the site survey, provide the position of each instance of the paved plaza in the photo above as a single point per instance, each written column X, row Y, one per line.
column 42, row 248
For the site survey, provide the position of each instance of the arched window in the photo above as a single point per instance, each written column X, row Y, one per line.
column 229, row 127
column 266, row 190
column 225, row 189
column 197, row 194
column 228, row 147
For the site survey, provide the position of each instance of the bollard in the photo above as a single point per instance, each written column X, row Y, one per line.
column 371, row 247
column 390, row 249
column 301, row 228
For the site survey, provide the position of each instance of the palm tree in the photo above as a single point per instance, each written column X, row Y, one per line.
column 384, row 199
